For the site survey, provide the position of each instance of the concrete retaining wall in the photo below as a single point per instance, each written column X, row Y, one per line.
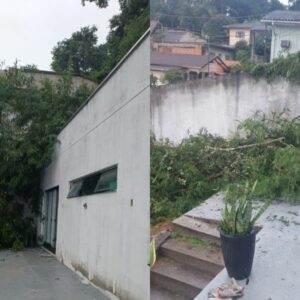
column 217, row 104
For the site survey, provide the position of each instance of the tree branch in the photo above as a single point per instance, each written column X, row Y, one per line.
column 281, row 140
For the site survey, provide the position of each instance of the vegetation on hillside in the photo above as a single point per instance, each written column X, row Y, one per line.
column 263, row 149
column 195, row 14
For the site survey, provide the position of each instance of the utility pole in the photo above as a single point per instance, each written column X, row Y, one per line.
column 265, row 43
column 208, row 52
column 252, row 41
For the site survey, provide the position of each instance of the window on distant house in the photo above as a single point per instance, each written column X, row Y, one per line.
column 100, row 182
column 240, row 34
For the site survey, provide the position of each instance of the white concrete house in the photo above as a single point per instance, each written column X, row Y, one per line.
column 285, row 32
column 96, row 204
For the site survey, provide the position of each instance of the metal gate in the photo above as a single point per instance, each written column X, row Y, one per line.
column 51, row 208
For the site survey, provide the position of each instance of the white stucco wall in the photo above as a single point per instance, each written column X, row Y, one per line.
column 217, row 104
column 284, row 32
column 109, row 241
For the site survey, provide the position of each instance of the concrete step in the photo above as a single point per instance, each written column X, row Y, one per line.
column 208, row 259
column 178, row 278
column 196, row 228
column 158, row 293
column 160, row 238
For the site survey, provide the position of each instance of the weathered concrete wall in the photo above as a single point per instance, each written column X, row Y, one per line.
column 109, row 241
column 40, row 76
column 217, row 104
column 77, row 81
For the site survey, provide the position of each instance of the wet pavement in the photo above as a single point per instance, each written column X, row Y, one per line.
column 33, row 274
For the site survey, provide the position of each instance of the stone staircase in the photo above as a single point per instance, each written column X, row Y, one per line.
column 188, row 258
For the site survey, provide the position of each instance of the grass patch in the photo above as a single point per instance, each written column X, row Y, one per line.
column 189, row 240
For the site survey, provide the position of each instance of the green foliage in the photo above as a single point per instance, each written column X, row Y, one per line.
column 125, row 29
column 17, row 246
column 214, row 28
column 173, row 76
column 237, row 216
column 30, row 119
column 99, row 3
column 285, row 67
column 264, row 149
column 80, row 53
column 181, row 175
column 15, row 231
column 242, row 51
column 287, row 166
column 189, row 240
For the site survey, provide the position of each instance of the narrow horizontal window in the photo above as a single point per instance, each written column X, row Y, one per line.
column 100, row 182
column 107, row 182
column 75, row 188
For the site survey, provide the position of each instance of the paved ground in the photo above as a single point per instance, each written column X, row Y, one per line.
column 35, row 275
column 276, row 267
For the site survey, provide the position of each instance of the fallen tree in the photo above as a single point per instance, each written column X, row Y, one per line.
column 263, row 149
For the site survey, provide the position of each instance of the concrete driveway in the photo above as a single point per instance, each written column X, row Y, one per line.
column 33, row 274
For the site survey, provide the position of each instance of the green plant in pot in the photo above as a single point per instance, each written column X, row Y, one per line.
column 237, row 230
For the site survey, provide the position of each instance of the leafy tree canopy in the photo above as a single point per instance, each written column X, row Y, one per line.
column 100, row 3
column 214, row 28
column 30, row 119
column 242, row 51
column 81, row 54
column 125, row 29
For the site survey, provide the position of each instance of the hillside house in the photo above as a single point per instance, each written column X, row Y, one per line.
column 178, row 48
column 225, row 52
column 245, row 32
column 166, row 40
column 191, row 66
column 170, row 35
column 285, row 32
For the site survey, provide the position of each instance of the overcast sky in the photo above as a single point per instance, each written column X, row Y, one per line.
column 29, row 29
column 286, row 2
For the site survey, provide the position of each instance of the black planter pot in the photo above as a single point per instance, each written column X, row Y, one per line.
column 238, row 253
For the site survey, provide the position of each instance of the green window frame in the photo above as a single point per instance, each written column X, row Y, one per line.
column 102, row 181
